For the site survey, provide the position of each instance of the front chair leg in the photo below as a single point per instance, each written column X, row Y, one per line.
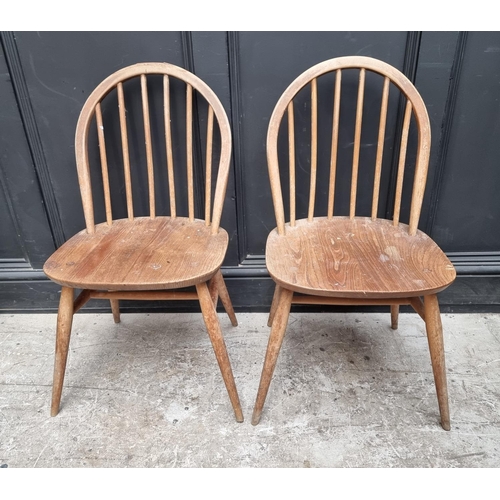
column 280, row 321
column 64, row 322
column 436, row 348
column 215, row 334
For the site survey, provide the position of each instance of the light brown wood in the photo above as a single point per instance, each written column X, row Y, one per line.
column 208, row 169
column 224, row 297
column 274, row 305
column 314, row 147
column 168, row 145
column 215, row 334
column 273, row 348
column 344, row 63
column 143, row 254
column 64, row 322
column 394, row 316
column 144, row 295
column 126, row 157
column 357, row 142
column 149, row 147
column 353, row 260
column 291, row 160
column 418, row 306
column 341, row 301
column 214, row 293
column 147, row 258
column 104, row 164
column 380, row 147
column 115, row 309
column 189, row 150
column 115, row 81
column 401, row 166
column 357, row 258
column 81, row 300
column 335, row 142
column 436, row 348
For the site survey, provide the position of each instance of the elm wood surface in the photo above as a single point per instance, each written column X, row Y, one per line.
column 358, row 257
column 352, row 260
column 147, row 258
column 142, row 254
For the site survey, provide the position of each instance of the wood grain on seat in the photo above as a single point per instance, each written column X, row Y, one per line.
column 142, row 254
column 358, row 257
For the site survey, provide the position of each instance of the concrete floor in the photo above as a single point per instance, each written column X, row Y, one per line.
column 347, row 392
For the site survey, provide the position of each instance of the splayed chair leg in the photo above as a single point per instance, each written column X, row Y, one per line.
column 274, row 305
column 224, row 297
column 64, row 323
column 436, row 348
column 278, row 329
column 215, row 334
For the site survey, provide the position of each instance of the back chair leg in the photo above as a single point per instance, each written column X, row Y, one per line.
column 215, row 334
column 224, row 297
column 280, row 321
column 115, row 309
column 394, row 316
column 64, row 322
column 436, row 348
column 274, row 305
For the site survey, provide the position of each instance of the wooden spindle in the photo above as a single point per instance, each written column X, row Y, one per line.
column 314, row 147
column 401, row 166
column 104, row 163
column 380, row 147
column 335, row 143
column 149, row 149
column 168, row 144
column 357, row 142
column 208, row 174
column 291, row 160
column 189, row 149
column 126, row 159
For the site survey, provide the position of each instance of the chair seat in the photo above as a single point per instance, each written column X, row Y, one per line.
column 357, row 258
column 139, row 254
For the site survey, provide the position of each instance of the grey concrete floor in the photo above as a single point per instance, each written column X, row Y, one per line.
column 347, row 392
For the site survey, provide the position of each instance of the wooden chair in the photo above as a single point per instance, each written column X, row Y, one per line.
column 353, row 260
column 147, row 257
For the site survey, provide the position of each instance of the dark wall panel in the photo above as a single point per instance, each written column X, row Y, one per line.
column 468, row 212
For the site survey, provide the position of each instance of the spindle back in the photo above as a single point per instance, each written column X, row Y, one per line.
column 413, row 105
column 92, row 112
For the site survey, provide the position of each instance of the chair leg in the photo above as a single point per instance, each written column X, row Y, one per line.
column 64, row 322
column 224, row 297
column 436, row 348
column 115, row 309
column 274, row 305
column 215, row 334
column 394, row 316
column 280, row 321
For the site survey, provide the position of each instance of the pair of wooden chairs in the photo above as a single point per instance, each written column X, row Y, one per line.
column 329, row 259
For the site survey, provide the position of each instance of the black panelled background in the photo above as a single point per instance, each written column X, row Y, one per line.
column 46, row 77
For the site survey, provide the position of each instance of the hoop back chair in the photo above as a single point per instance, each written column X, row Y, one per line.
column 351, row 259
column 148, row 257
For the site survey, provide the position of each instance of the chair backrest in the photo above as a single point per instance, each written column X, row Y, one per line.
column 116, row 86
column 414, row 105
